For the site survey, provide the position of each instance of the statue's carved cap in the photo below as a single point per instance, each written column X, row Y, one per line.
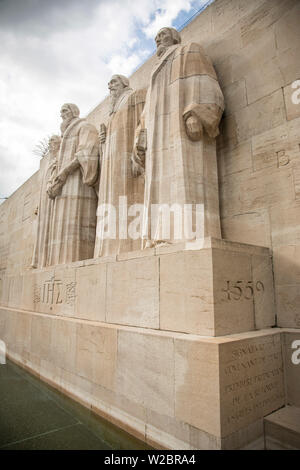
column 55, row 137
column 73, row 108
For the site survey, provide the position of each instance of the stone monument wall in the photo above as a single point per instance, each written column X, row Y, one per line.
column 17, row 228
column 177, row 343
column 255, row 50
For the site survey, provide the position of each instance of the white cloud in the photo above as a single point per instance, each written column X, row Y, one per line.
column 125, row 64
column 64, row 52
column 168, row 11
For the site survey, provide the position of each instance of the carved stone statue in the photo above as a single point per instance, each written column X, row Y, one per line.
column 44, row 211
column 73, row 225
column 184, row 105
column 116, row 180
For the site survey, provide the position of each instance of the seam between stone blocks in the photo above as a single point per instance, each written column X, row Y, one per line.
column 253, row 298
column 284, row 104
column 159, row 324
column 274, row 288
column 106, row 282
column 284, row 365
column 220, row 391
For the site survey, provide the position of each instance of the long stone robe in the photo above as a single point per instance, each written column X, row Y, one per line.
column 179, row 170
column 116, row 178
column 48, row 170
column 74, row 212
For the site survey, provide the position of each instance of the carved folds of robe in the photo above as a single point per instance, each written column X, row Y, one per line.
column 74, row 212
column 179, row 170
column 48, row 170
column 116, row 178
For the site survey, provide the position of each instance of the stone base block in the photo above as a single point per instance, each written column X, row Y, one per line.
column 282, row 429
column 210, row 287
column 170, row 389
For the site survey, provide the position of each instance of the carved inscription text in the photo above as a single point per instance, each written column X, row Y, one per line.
column 55, row 292
column 252, row 380
column 243, row 289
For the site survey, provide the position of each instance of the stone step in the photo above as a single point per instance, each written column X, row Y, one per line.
column 282, row 429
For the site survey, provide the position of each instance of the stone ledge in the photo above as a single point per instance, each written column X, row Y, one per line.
column 282, row 429
column 213, row 288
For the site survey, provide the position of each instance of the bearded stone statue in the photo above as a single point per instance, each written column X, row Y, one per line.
column 118, row 189
column 184, row 105
column 44, row 211
column 73, row 228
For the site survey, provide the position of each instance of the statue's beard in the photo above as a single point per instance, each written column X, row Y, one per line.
column 114, row 96
column 53, row 152
column 65, row 123
column 161, row 50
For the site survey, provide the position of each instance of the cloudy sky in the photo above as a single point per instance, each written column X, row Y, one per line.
column 57, row 51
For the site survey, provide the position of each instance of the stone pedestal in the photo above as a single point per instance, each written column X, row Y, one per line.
column 172, row 390
column 173, row 344
column 211, row 288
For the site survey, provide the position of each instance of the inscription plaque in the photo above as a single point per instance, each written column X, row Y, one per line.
column 54, row 292
column 251, row 381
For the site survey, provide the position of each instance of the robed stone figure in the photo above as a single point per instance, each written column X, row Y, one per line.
column 119, row 190
column 184, row 105
column 48, row 172
column 73, row 227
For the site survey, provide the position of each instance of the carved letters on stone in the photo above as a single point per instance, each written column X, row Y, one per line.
column 71, row 293
column 246, row 391
column 54, row 292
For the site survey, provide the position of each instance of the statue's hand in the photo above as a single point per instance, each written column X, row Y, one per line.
column 61, row 177
column 135, row 170
column 193, row 127
column 138, row 163
column 55, row 189
column 50, row 192
column 139, row 153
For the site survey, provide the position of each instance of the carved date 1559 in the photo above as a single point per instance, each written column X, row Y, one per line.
column 242, row 289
